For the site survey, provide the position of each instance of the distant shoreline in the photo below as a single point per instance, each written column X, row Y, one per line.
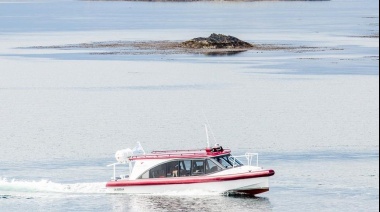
column 170, row 47
column 203, row 0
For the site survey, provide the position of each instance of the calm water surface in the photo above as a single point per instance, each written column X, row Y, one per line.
column 312, row 116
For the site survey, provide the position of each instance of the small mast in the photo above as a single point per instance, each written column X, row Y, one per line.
column 208, row 139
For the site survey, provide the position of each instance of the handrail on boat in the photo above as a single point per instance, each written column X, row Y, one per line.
column 167, row 155
column 114, row 168
column 178, row 153
column 167, row 151
column 249, row 156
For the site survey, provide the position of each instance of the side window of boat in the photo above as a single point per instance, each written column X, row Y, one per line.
column 184, row 168
column 198, row 167
column 172, row 169
column 158, row 171
column 211, row 167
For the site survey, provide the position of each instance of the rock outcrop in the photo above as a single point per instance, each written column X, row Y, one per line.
column 216, row 41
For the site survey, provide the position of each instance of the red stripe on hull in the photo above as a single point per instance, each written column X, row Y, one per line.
column 189, row 180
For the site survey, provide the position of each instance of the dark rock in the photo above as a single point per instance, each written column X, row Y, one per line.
column 216, row 41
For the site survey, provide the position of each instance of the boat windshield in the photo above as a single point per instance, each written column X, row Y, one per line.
column 228, row 161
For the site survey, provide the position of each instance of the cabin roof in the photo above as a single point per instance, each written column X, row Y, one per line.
column 181, row 154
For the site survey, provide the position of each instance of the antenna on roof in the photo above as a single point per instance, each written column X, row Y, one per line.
column 208, row 140
column 206, row 127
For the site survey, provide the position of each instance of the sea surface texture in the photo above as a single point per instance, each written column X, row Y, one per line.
column 312, row 112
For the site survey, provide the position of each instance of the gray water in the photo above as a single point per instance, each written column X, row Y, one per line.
column 312, row 116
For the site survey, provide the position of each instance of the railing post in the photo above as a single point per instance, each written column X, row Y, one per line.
column 257, row 160
column 114, row 172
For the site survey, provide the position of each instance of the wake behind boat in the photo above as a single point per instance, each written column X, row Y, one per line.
column 211, row 169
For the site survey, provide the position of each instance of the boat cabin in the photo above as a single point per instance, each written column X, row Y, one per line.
column 190, row 167
column 180, row 163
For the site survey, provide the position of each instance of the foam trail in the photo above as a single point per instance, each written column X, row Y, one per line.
column 46, row 186
column 49, row 186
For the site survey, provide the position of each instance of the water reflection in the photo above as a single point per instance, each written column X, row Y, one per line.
column 124, row 202
column 223, row 53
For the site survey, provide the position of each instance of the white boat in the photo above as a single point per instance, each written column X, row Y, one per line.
column 210, row 169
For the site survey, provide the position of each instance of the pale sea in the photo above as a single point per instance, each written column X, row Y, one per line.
column 312, row 116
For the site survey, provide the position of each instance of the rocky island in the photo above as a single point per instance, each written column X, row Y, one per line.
column 216, row 41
